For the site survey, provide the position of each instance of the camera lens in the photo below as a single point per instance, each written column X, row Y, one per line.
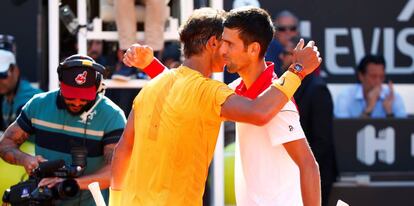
column 68, row 188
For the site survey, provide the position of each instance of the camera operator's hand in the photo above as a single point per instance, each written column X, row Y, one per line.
column 32, row 162
column 50, row 181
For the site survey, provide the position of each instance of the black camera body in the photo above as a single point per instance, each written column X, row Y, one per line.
column 27, row 193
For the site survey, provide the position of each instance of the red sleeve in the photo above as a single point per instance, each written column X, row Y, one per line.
column 154, row 68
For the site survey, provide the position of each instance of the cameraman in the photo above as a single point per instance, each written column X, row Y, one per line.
column 76, row 115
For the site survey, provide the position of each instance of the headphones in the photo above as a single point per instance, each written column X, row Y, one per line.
column 79, row 60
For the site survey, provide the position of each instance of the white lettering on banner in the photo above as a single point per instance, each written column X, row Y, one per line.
column 412, row 144
column 375, row 41
column 357, row 43
column 407, row 12
column 389, row 48
column 332, row 50
column 390, row 42
column 406, row 48
column 368, row 145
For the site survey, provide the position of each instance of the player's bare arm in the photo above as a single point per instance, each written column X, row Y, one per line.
column 240, row 109
column 258, row 112
column 13, row 137
column 301, row 154
column 236, row 108
column 265, row 107
column 122, row 154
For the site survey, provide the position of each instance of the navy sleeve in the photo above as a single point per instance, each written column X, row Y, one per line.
column 24, row 122
column 112, row 137
column 115, row 125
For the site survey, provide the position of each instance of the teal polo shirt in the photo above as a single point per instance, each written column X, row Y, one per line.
column 55, row 131
column 10, row 110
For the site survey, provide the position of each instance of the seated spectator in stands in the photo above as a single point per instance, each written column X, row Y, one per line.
column 370, row 98
column 95, row 50
column 286, row 24
column 171, row 55
column 16, row 91
column 315, row 106
column 154, row 23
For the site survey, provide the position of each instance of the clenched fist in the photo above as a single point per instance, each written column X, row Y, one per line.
column 139, row 56
column 307, row 56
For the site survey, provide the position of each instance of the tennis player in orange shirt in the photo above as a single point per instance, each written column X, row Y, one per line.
column 168, row 143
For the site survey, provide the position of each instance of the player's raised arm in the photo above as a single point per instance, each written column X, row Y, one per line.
column 142, row 57
column 262, row 109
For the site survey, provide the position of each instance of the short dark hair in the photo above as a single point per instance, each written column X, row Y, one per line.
column 368, row 59
column 254, row 25
column 199, row 28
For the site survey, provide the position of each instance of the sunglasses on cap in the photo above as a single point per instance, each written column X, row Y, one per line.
column 285, row 28
column 5, row 74
column 7, row 42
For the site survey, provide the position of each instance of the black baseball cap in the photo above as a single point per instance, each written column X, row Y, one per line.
column 79, row 82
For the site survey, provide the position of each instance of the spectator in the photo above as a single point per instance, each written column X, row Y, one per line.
column 370, row 98
column 95, row 50
column 171, row 55
column 315, row 106
column 75, row 117
column 15, row 90
column 155, row 18
column 286, row 24
column 14, row 93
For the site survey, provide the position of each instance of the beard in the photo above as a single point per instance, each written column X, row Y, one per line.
column 82, row 110
column 6, row 92
column 75, row 113
column 232, row 68
column 94, row 54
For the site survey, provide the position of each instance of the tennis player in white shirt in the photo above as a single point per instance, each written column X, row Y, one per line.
column 273, row 163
